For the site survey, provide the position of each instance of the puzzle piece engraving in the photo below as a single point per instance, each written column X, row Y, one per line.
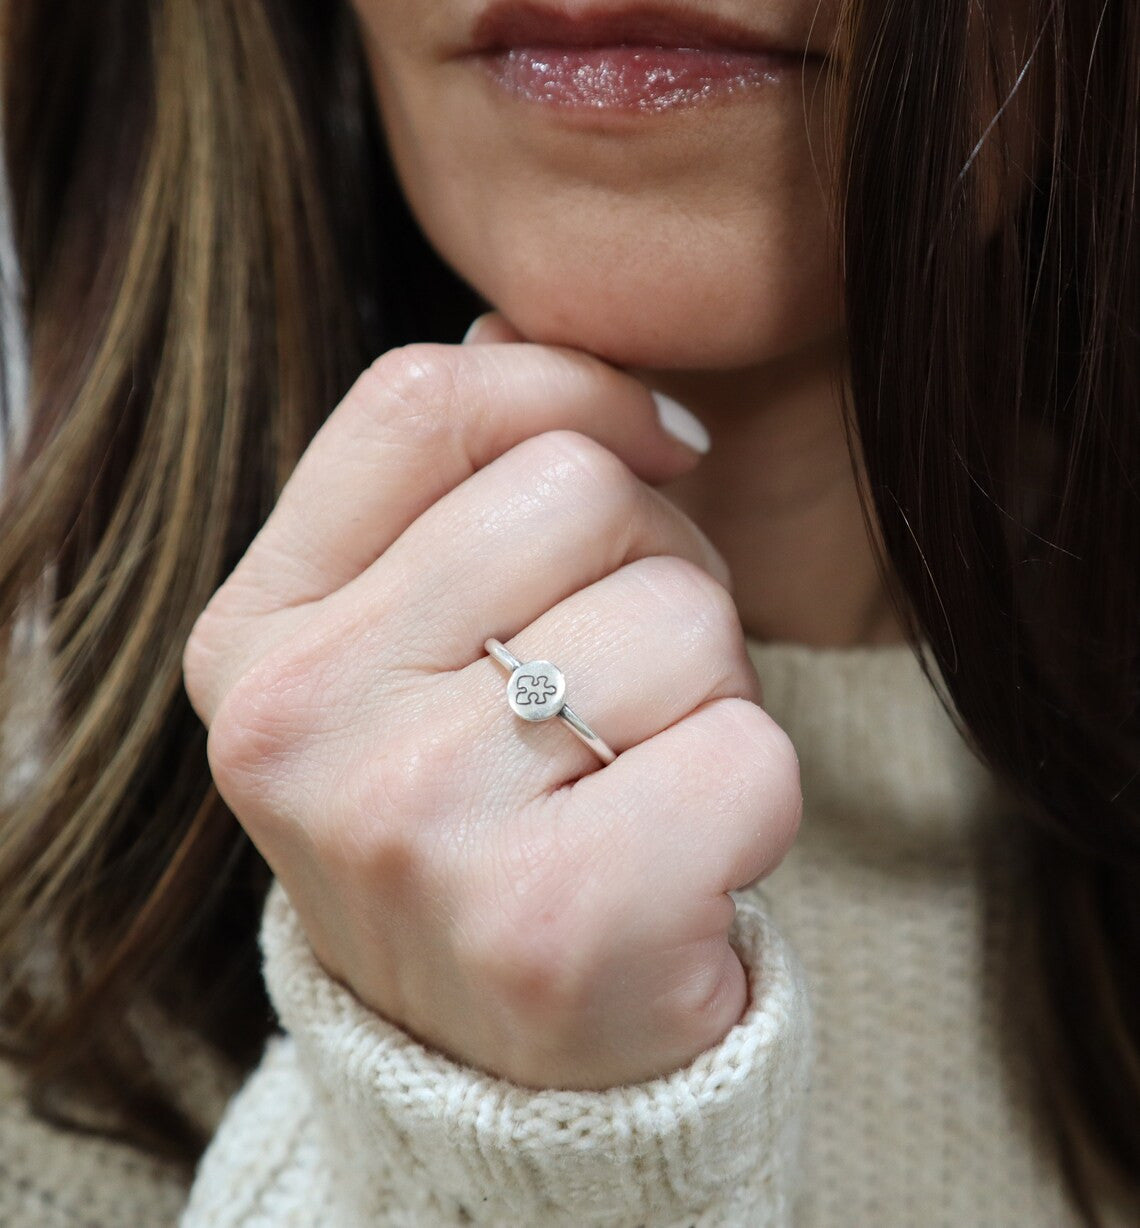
column 533, row 689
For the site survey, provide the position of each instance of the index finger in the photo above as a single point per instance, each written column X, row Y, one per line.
column 417, row 422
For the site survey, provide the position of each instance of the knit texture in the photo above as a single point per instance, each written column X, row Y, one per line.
column 880, row 1075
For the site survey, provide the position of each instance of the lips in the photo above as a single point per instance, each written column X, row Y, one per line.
column 520, row 23
column 640, row 59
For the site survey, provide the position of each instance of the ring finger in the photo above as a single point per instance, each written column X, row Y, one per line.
column 639, row 649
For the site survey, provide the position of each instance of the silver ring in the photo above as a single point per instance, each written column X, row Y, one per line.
column 536, row 691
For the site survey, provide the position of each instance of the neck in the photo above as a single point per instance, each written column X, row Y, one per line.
column 777, row 496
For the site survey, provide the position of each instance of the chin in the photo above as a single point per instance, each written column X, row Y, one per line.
column 671, row 319
column 627, row 335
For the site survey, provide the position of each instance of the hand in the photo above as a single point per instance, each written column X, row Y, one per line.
column 486, row 884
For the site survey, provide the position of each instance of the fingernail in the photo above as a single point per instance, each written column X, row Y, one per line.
column 680, row 423
column 474, row 328
column 721, row 569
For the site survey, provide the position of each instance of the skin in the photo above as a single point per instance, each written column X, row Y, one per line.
column 691, row 248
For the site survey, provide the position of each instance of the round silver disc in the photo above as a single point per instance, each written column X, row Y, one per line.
column 535, row 690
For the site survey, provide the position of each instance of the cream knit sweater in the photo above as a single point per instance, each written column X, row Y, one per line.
column 878, row 1077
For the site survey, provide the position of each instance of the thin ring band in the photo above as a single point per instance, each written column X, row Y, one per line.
column 535, row 691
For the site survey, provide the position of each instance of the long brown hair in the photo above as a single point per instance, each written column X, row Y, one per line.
column 213, row 247
column 996, row 389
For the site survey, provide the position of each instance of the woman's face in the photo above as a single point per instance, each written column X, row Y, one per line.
column 647, row 183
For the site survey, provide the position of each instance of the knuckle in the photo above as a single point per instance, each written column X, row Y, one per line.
column 259, row 728
column 208, row 650
column 583, row 464
column 757, row 756
column 606, row 496
column 244, row 740
column 199, row 662
column 420, row 384
column 704, row 619
column 705, row 606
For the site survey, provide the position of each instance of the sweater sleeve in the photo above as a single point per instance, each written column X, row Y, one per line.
column 350, row 1121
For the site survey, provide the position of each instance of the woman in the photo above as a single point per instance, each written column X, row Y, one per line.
column 779, row 937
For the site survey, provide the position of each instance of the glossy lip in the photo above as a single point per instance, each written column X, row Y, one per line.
column 633, row 61
column 600, row 81
column 511, row 24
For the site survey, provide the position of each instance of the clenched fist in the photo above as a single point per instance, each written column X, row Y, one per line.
column 481, row 881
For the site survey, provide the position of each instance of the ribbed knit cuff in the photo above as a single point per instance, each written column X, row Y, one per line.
column 714, row 1143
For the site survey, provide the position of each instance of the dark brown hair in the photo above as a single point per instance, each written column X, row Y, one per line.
column 996, row 390
column 213, row 247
